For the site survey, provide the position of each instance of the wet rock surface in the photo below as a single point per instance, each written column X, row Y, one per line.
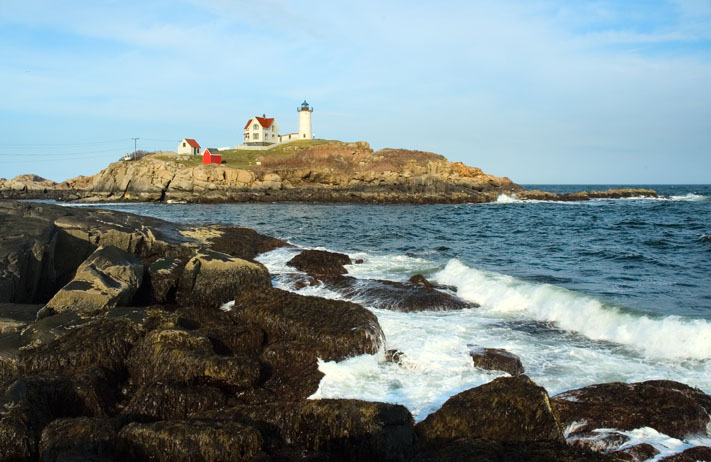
column 669, row 407
column 496, row 359
column 320, row 263
column 699, row 453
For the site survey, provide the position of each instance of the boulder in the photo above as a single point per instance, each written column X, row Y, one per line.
column 172, row 401
column 394, row 356
column 637, row 453
column 697, row 454
column 14, row 316
column 319, row 263
column 109, row 277
column 190, row 441
column 506, row 410
column 180, row 356
column 79, row 438
column 27, row 269
column 211, row 279
column 396, row 296
column 669, row 407
column 333, row 329
column 495, row 359
column 240, row 242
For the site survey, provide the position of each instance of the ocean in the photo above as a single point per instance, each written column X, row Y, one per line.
column 583, row 292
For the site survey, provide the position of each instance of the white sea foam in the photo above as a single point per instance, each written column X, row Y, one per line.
column 436, row 345
column 509, row 199
column 668, row 337
column 666, row 445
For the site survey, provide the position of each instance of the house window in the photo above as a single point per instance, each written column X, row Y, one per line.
column 255, row 126
column 304, row 135
column 255, row 136
column 183, row 144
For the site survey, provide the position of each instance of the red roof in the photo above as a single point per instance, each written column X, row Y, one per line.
column 192, row 143
column 264, row 122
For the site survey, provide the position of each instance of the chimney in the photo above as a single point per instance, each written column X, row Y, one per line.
column 264, row 116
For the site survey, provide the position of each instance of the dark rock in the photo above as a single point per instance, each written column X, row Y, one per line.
column 319, row 263
column 481, row 450
column 343, row 430
column 109, row 277
column 495, row 359
column 99, row 343
column 164, row 275
column 397, row 296
column 334, row 329
column 231, row 339
column 394, row 356
column 28, row 405
column 27, row 270
column 190, row 441
column 419, row 280
column 506, row 410
column 170, row 401
column 241, row 243
column 15, row 316
column 80, row 438
column 637, row 453
column 697, row 454
column 669, row 407
column 291, row 370
column 211, row 279
column 359, row 261
column 179, row 356
column 598, row 441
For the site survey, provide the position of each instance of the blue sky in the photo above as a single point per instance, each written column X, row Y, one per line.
column 541, row 91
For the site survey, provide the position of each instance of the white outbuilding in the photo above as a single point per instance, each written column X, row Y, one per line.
column 189, row 146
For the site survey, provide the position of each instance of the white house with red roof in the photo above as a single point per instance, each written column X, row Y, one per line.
column 188, row 146
column 261, row 131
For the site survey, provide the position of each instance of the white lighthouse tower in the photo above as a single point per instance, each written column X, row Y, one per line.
column 305, row 121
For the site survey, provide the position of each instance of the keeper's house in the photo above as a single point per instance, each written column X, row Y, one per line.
column 189, row 146
column 261, row 131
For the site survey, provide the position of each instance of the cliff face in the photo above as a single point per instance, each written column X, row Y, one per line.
column 331, row 172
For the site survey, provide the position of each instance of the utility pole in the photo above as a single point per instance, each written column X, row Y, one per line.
column 134, row 147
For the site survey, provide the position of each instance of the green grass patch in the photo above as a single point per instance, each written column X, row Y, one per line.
column 245, row 159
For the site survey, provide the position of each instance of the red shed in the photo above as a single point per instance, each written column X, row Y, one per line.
column 211, row 156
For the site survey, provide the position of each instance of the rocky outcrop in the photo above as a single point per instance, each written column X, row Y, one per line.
column 109, row 277
column 669, row 407
column 620, row 193
column 699, row 453
column 496, row 359
column 506, row 410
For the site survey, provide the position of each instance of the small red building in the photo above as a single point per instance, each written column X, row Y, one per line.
column 211, row 156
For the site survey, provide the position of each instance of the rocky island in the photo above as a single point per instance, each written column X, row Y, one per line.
column 115, row 345
column 308, row 170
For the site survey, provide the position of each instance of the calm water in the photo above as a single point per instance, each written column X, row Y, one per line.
column 584, row 292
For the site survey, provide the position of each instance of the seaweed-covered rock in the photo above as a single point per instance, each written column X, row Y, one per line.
column 240, row 242
column 291, row 370
column 637, row 453
column 696, row 454
column 79, row 438
column 171, row 401
column 669, row 407
column 334, row 329
column 396, row 296
column 496, row 359
column 176, row 355
column 27, row 272
column 320, row 263
column 99, row 343
column 213, row 278
column 506, row 410
column 164, row 275
column 330, row 429
column 190, row 441
column 109, row 277
column 232, row 339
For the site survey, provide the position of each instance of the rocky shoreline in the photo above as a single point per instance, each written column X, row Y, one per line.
column 113, row 347
column 334, row 172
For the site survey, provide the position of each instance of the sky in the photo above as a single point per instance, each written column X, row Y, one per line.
column 541, row 91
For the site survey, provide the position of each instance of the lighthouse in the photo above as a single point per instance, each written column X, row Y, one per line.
column 305, row 121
